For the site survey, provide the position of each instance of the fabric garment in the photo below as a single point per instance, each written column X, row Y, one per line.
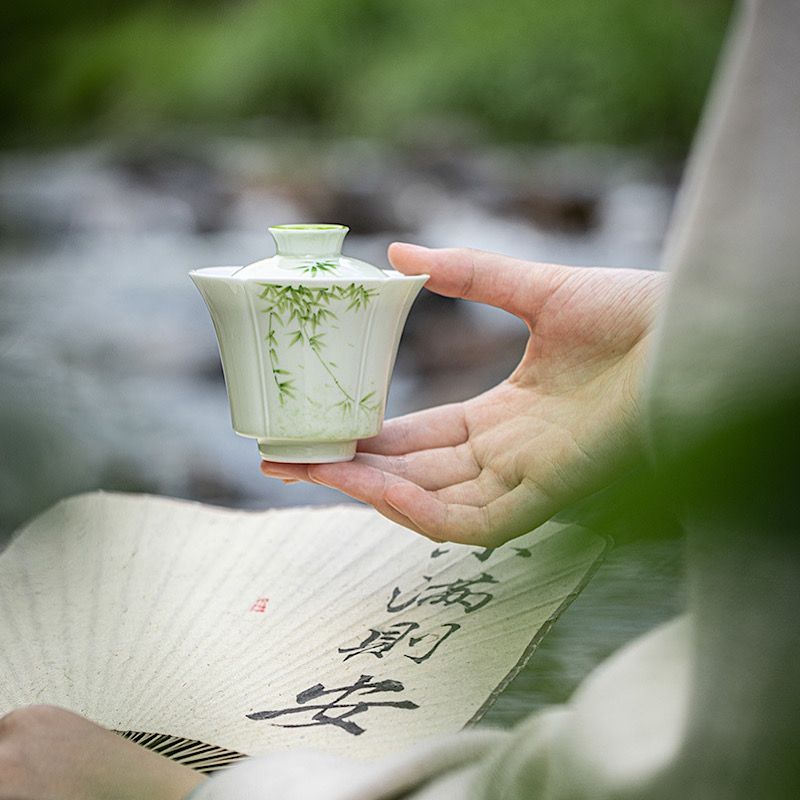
column 707, row 706
column 489, row 764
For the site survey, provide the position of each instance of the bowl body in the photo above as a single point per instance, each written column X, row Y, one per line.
column 307, row 364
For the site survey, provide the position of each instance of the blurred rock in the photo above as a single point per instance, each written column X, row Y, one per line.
column 551, row 210
column 367, row 212
column 208, row 486
column 182, row 175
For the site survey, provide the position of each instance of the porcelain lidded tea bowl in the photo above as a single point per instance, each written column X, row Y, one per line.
column 308, row 340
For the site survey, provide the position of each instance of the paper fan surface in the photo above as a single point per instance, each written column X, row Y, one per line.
column 244, row 632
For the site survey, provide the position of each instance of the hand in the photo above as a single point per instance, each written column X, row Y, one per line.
column 48, row 753
column 563, row 425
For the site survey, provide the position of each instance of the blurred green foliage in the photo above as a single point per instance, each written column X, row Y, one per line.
column 617, row 71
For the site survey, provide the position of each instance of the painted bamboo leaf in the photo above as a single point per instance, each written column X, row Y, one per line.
column 307, row 309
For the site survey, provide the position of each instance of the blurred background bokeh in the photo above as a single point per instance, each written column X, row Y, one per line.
column 141, row 139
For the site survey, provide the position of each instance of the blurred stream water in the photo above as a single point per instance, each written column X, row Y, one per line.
column 109, row 373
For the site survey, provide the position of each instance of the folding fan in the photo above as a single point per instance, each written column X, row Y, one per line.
column 210, row 634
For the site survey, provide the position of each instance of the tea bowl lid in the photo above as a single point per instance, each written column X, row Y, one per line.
column 309, row 253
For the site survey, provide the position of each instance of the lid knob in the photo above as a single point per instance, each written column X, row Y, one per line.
column 309, row 239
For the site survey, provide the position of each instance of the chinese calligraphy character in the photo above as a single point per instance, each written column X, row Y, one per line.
column 458, row 592
column 344, row 699
column 379, row 642
column 485, row 554
column 440, row 551
column 437, row 640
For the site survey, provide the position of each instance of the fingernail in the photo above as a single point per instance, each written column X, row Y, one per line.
column 312, row 474
column 390, row 503
column 271, row 472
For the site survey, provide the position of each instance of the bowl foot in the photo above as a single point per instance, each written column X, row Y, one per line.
column 307, row 452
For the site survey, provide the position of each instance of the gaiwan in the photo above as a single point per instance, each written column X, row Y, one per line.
column 308, row 340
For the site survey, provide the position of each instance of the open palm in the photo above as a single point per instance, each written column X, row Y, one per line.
column 565, row 423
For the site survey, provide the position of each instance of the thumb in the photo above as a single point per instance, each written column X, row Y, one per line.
column 520, row 287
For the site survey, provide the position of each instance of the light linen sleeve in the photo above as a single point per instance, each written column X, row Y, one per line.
column 307, row 775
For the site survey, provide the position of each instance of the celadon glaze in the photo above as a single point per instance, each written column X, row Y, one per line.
column 308, row 340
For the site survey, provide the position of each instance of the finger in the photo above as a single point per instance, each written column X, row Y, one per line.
column 443, row 426
column 430, row 469
column 476, row 492
column 285, row 472
column 521, row 287
column 361, row 486
column 512, row 514
column 364, row 483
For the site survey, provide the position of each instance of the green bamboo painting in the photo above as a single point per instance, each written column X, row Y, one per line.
column 317, row 268
column 296, row 313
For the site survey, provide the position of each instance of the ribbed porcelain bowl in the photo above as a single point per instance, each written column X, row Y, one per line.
column 308, row 340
